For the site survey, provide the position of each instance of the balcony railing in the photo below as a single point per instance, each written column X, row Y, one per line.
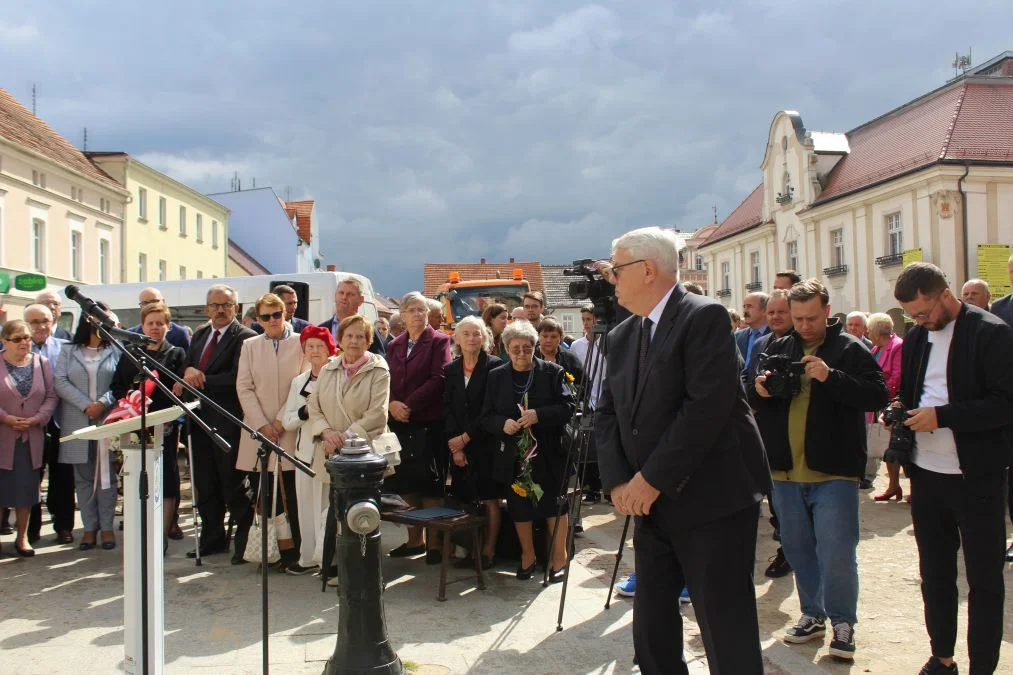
column 723, row 292
column 836, row 271
column 754, row 286
column 890, row 260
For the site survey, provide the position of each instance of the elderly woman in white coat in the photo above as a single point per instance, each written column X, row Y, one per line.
column 318, row 347
column 83, row 379
column 267, row 365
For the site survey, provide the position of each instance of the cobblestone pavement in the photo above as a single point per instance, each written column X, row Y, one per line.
column 61, row 612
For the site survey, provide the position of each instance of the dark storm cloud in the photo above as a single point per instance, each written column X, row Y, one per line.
column 446, row 131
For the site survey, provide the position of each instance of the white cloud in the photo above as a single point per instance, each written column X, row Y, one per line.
column 18, row 34
column 586, row 29
column 197, row 170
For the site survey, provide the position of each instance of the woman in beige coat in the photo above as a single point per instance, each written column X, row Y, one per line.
column 267, row 365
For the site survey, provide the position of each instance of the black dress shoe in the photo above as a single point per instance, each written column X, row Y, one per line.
column 523, row 574
column 25, row 552
column 207, row 549
column 238, row 559
column 434, row 556
column 557, row 576
column 175, row 533
column 404, row 551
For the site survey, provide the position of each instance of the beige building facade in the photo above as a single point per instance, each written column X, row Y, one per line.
column 171, row 232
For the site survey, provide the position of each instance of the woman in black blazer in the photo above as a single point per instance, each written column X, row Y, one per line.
column 550, row 336
column 471, row 446
column 540, row 387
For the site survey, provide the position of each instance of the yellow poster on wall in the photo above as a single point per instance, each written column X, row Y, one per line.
column 912, row 255
column 993, row 267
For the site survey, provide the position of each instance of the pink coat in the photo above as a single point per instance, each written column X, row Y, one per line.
column 890, row 363
column 40, row 404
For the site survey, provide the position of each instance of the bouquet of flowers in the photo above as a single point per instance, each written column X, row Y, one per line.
column 527, row 448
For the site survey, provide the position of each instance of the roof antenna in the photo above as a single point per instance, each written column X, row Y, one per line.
column 254, row 182
column 288, row 193
column 33, row 99
column 86, row 139
column 715, row 208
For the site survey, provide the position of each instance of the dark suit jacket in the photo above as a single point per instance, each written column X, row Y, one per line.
column 417, row 379
column 378, row 346
column 168, row 355
column 62, row 333
column 1002, row 308
column 220, row 375
column 742, row 340
column 463, row 404
column 692, row 436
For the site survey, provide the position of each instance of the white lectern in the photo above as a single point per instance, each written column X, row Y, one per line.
column 132, row 611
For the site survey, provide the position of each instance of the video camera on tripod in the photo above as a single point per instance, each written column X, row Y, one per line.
column 594, row 288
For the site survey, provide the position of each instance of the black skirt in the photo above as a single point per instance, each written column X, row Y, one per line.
column 424, row 456
column 19, row 485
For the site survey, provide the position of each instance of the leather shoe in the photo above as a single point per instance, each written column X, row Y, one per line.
column 238, row 559
column 404, row 551
column 65, row 537
column 523, row 574
column 556, row 576
column 25, row 552
column 207, row 549
column 175, row 533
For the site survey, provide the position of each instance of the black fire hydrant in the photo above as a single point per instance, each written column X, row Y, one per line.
column 356, row 477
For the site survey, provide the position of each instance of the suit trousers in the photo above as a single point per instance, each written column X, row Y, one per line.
column 715, row 560
column 949, row 511
column 59, row 493
column 212, row 477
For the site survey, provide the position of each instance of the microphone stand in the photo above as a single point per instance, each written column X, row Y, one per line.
column 141, row 362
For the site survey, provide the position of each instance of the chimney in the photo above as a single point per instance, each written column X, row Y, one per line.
column 481, row 261
column 332, row 268
column 511, row 259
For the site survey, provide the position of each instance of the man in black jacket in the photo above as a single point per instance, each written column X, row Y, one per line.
column 957, row 383
column 679, row 449
column 814, row 434
column 348, row 297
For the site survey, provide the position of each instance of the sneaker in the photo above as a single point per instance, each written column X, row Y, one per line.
column 628, row 587
column 778, row 566
column 843, row 643
column 684, row 596
column 297, row 570
column 808, row 628
column 935, row 667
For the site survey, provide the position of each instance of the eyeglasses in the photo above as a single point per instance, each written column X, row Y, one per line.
column 273, row 315
column 923, row 316
column 18, row 339
column 517, row 351
column 416, row 310
column 221, row 305
column 40, row 322
column 610, row 270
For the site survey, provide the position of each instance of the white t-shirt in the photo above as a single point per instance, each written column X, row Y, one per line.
column 937, row 451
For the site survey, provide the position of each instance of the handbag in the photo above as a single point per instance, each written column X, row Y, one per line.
column 388, row 445
column 282, row 528
column 253, row 550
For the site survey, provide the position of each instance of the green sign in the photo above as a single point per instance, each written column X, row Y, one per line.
column 5, row 282
column 33, row 283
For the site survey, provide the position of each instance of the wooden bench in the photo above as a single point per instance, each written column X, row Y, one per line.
column 447, row 525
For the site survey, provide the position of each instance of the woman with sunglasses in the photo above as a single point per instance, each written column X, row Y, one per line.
column 27, row 401
column 267, row 365
column 84, row 377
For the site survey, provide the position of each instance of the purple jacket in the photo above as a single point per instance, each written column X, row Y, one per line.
column 890, row 363
column 417, row 380
column 40, row 404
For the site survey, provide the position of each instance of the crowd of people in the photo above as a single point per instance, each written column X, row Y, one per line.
column 694, row 426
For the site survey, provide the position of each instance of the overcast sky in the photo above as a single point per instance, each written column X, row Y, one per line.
column 447, row 131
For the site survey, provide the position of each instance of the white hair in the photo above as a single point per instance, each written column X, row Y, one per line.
column 652, row 243
column 482, row 329
column 980, row 282
column 433, row 305
column 880, row 324
column 413, row 298
column 519, row 328
column 222, row 288
column 860, row 315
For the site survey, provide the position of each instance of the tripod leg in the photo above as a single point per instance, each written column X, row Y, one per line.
column 619, row 557
column 193, row 495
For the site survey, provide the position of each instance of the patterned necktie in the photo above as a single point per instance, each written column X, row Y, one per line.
column 645, row 344
column 205, row 358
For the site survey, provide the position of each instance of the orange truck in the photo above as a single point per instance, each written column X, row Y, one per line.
column 468, row 298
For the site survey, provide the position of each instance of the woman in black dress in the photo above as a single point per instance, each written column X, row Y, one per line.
column 471, row 446
column 530, row 397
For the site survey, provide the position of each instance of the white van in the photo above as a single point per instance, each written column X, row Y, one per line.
column 187, row 299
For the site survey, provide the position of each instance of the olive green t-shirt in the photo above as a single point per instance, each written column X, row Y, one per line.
column 797, row 413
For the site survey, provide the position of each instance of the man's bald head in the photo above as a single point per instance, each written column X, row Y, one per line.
column 149, row 295
column 975, row 292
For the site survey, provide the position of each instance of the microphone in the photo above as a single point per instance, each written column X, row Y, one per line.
column 101, row 317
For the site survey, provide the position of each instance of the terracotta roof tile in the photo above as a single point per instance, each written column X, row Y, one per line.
column 557, row 287
column 435, row 274
column 18, row 125
column 984, row 125
column 302, row 211
column 746, row 215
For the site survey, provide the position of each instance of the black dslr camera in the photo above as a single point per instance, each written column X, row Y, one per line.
column 902, row 439
column 785, row 379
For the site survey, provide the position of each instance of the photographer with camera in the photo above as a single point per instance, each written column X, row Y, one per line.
column 811, row 397
column 957, row 390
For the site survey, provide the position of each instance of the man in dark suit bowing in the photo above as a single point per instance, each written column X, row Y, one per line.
column 348, row 297
column 679, row 449
column 212, row 363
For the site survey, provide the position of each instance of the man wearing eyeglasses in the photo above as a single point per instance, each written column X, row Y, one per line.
column 55, row 305
column 678, row 447
column 534, row 306
column 212, row 366
column 957, row 384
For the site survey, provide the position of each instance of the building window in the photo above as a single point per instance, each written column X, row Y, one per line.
column 38, row 179
column 699, row 263
column 200, row 228
column 754, row 266
column 142, row 266
column 200, row 274
column 726, row 276
column 161, row 213
column 161, row 270
column 894, row 235
column 75, row 254
column 103, row 261
column 214, row 234
column 568, row 325
column 182, row 221
column 142, row 203
column 792, row 254
column 73, row 192
column 837, row 247
column 182, row 272
column 39, row 245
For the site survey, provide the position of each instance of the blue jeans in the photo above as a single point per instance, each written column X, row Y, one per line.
column 819, row 535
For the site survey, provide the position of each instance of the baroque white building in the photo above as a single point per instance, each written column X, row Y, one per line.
column 935, row 174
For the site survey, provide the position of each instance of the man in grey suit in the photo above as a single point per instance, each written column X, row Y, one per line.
column 679, row 449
